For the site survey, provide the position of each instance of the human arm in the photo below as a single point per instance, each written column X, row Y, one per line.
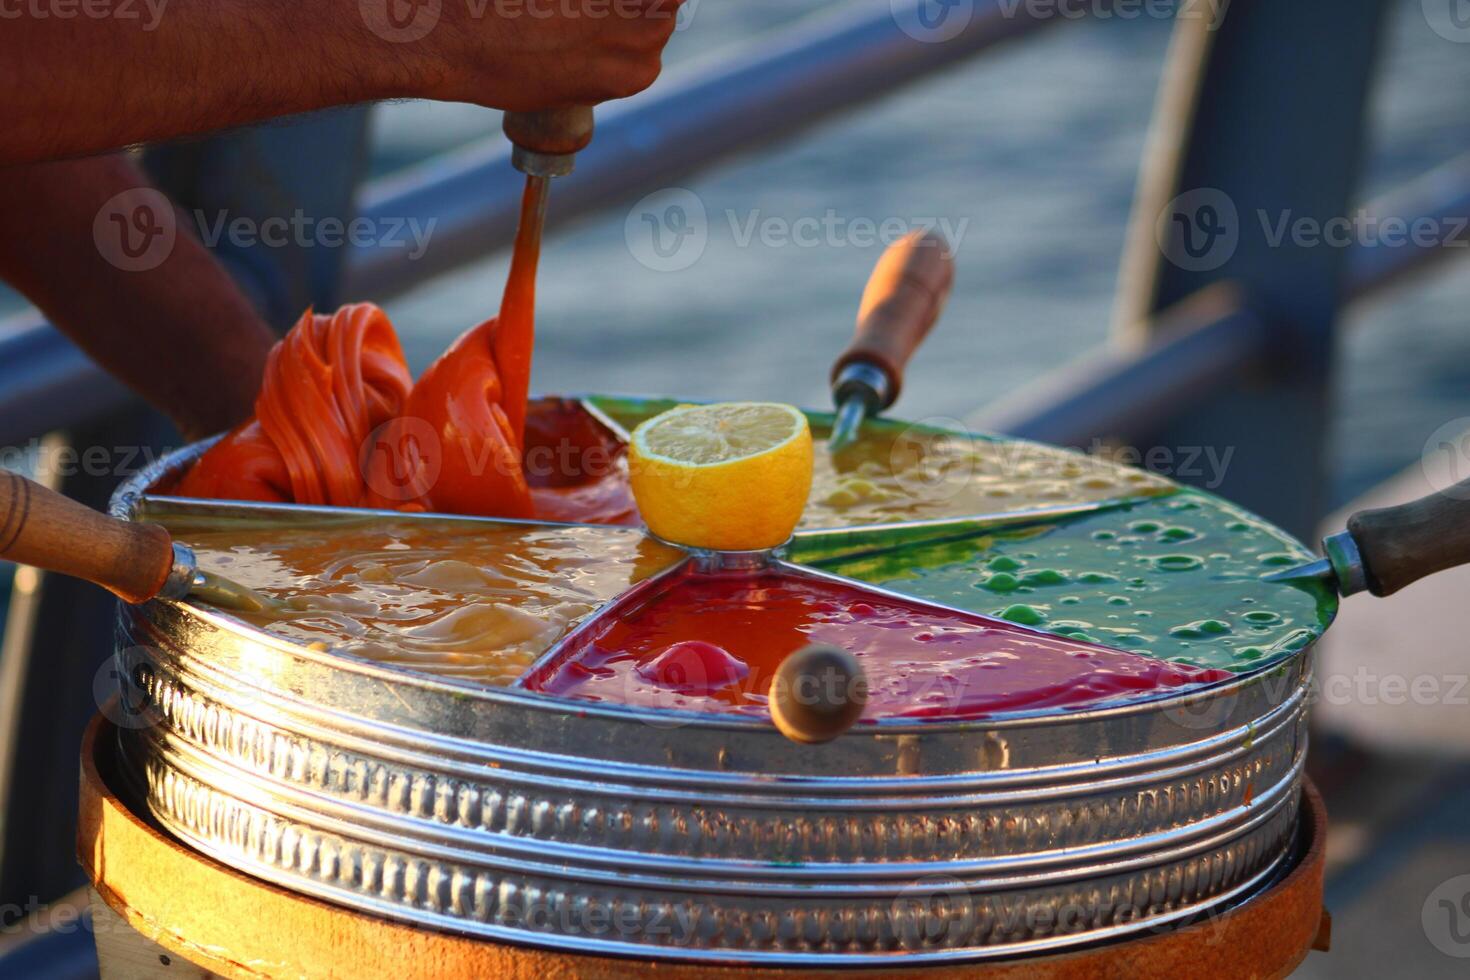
column 84, row 83
column 178, row 332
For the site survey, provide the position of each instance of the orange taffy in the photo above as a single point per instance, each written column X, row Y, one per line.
column 328, row 385
column 336, row 422
column 461, row 437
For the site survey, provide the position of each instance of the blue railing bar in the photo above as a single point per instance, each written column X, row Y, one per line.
column 1439, row 202
column 46, row 383
column 1117, row 392
column 1207, row 342
column 692, row 118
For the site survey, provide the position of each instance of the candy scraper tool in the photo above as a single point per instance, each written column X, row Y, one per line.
column 1386, row 549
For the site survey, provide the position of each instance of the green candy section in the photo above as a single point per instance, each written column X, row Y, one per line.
column 1176, row 578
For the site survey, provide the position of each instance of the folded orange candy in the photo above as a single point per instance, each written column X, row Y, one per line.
column 339, row 422
column 328, row 385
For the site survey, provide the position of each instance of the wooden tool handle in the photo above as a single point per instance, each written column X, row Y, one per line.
column 42, row 528
column 555, row 132
column 818, row 693
column 904, row 298
column 1400, row 545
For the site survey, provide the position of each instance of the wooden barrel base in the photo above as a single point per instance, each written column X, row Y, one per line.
column 195, row 917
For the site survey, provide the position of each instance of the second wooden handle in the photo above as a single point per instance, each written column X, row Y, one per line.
column 40, row 527
column 901, row 304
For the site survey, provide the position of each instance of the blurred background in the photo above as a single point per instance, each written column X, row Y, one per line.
column 1032, row 152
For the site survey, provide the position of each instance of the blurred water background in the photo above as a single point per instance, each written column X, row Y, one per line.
column 1034, row 150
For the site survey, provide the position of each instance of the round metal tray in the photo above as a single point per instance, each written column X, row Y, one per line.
column 615, row 830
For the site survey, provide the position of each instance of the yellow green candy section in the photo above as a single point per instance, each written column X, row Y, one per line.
column 900, row 472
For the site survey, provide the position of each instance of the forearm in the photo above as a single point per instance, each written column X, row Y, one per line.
column 169, row 322
column 84, row 83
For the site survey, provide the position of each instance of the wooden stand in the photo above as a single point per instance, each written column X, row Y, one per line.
column 162, row 910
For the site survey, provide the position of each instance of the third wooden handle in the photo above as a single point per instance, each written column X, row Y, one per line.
column 904, row 298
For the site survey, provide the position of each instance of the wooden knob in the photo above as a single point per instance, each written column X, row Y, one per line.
column 901, row 303
column 554, row 132
column 42, row 528
column 818, row 693
column 1400, row 545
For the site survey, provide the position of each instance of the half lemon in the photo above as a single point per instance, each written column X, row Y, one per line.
column 733, row 476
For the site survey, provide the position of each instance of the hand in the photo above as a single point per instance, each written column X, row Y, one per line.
column 522, row 55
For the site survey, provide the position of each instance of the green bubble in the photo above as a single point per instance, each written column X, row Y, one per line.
column 1261, row 617
column 1144, row 527
column 1200, row 629
column 1178, row 563
column 1045, row 576
column 1178, row 533
column 1023, row 614
column 1096, row 578
column 1103, row 535
column 1002, row 563
column 1119, row 600
column 1280, row 558
column 1001, row 582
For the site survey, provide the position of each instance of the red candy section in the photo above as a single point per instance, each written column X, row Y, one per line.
column 713, row 643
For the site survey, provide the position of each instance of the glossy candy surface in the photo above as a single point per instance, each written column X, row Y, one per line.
column 898, row 473
column 1139, row 586
column 1177, row 579
column 435, row 596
